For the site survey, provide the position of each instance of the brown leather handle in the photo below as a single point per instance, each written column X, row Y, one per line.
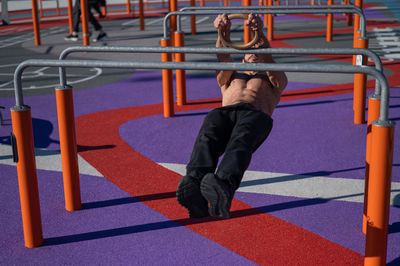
column 228, row 43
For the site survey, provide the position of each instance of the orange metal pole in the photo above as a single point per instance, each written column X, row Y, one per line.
column 141, row 14
column 360, row 86
column 35, row 20
column 180, row 73
column 201, row 2
column 278, row 3
column 270, row 29
column 265, row 15
column 70, row 19
column 329, row 24
column 349, row 17
column 128, row 6
column 85, row 25
column 173, row 7
column 69, row 157
column 374, row 104
column 58, row 8
column 246, row 30
column 358, row 3
column 379, row 193
column 104, row 11
column 27, row 176
column 226, row 3
column 167, row 83
column 41, row 8
column 193, row 18
column 356, row 44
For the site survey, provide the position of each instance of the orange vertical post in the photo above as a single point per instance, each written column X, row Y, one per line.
column 270, row 29
column 329, row 24
column 58, row 9
column 180, row 73
column 374, row 104
column 35, row 20
column 167, row 83
column 27, row 176
column 85, row 25
column 173, row 5
column 265, row 15
column 40, row 8
column 349, row 16
column 356, row 44
column 360, row 86
column 69, row 157
column 277, row 2
column 128, row 6
column 201, row 2
column 104, row 11
column 379, row 192
column 70, row 19
column 246, row 30
column 193, row 18
column 358, row 3
column 226, row 3
column 141, row 14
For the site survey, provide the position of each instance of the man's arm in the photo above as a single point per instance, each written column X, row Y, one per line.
column 223, row 76
column 278, row 79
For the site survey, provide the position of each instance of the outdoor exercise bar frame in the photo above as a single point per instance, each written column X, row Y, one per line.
column 359, row 41
column 214, row 11
column 356, row 9
column 192, row 50
column 382, row 131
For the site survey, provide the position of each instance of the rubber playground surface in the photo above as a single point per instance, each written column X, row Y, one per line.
column 300, row 202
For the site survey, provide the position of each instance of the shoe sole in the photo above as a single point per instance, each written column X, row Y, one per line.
column 189, row 196
column 218, row 195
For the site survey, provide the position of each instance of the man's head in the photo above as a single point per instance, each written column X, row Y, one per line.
column 251, row 58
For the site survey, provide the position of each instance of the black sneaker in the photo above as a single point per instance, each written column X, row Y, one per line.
column 71, row 37
column 189, row 196
column 100, row 37
column 218, row 194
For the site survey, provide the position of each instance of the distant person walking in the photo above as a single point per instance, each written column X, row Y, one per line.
column 76, row 17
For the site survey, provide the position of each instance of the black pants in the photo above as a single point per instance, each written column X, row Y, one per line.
column 236, row 130
column 76, row 15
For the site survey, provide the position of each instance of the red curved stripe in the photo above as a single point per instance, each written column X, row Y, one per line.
column 258, row 236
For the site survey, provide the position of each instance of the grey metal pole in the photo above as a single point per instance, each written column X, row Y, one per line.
column 314, row 68
column 243, row 11
column 192, row 50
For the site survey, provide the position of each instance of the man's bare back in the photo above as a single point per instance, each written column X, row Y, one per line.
column 261, row 89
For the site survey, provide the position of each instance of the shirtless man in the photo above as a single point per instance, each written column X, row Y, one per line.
column 236, row 130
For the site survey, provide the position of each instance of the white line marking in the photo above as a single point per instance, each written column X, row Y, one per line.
column 302, row 186
column 392, row 56
column 382, row 29
column 392, row 38
column 390, row 50
column 48, row 160
column 202, row 19
column 154, row 21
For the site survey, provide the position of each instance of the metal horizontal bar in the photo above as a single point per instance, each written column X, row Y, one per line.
column 314, row 68
column 268, row 7
column 211, row 50
column 242, row 11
